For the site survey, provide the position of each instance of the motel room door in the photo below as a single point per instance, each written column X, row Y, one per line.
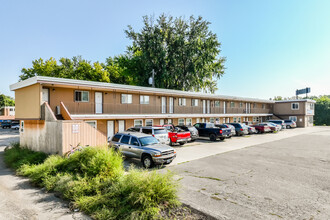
column 111, row 129
column 98, row 103
column 121, row 125
column 45, row 95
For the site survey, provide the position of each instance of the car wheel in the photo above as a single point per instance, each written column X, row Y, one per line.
column 171, row 143
column 182, row 143
column 147, row 161
column 288, row 126
column 213, row 137
column 222, row 138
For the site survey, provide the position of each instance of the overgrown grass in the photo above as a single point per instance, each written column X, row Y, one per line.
column 95, row 180
column 15, row 156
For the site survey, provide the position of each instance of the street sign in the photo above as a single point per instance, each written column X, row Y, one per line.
column 303, row 91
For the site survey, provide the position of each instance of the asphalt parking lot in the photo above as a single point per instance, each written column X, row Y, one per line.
column 280, row 176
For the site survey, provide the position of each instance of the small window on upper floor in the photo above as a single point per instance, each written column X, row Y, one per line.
column 311, row 106
column 182, row 101
column 217, row 103
column 241, row 104
column 126, row 99
column 263, row 106
column 194, row 102
column 81, row 96
column 295, row 106
column 144, row 99
column 232, row 104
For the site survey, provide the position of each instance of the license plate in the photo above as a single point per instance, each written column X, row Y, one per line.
column 168, row 161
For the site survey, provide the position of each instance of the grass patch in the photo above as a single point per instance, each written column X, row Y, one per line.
column 95, row 181
column 215, row 198
column 15, row 156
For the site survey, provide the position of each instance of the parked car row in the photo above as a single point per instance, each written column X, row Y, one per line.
column 10, row 124
column 150, row 143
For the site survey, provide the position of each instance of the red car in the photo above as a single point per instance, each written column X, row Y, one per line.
column 177, row 135
column 261, row 128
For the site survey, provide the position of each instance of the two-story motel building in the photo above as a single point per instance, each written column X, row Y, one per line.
column 60, row 112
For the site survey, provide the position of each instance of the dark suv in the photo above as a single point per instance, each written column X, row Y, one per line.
column 240, row 129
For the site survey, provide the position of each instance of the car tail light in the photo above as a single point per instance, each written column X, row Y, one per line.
column 220, row 131
column 241, row 129
column 153, row 135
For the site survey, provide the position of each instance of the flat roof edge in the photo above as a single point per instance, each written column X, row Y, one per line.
column 73, row 82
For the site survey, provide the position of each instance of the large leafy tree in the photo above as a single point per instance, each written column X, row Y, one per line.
column 77, row 68
column 322, row 110
column 184, row 54
column 6, row 100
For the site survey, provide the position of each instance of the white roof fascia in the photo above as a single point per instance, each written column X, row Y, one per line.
column 74, row 82
column 108, row 116
column 296, row 100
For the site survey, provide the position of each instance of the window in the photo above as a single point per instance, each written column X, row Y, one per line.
column 239, row 120
column 234, row 120
column 295, row 106
column 81, row 96
column 254, row 105
column 197, row 125
column 144, row 99
column 203, row 120
column 232, row 104
column 147, row 131
column 216, row 103
column 138, row 123
column 169, row 121
column 241, row 104
column 116, row 138
column 204, row 106
column 182, row 101
column 149, row 122
column 181, row 121
column 91, row 123
column 208, row 107
column 134, row 141
column 197, row 120
column 125, row 139
column 311, row 106
column 188, row 121
column 194, row 102
column 224, row 120
column 263, row 106
column 211, row 120
column 228, row 120
column 293, row 118
column 126, row 99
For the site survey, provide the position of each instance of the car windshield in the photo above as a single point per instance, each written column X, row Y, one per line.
column 148, row 140
column 160, row 131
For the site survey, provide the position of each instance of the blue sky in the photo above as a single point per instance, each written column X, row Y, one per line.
column 272, row 47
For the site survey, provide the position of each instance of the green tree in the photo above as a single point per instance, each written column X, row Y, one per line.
column 77, row 68
column 6, row 100
column 183, row 53
column 322, row 110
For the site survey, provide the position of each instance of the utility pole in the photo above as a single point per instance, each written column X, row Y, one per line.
column 153, row 78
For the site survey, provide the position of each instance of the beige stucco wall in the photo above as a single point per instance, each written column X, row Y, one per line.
column 285, row 108
column 27, row 102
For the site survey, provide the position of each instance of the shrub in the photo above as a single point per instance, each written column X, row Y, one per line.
column 16, row 156
column 95, row 180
